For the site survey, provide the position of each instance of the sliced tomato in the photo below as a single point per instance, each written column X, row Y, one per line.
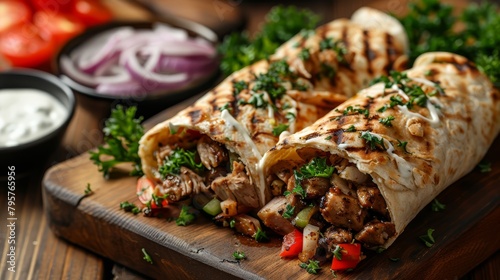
column 292, row 244
column 23, row 46
column 145, row 189
column 60, row 27
column 351, row 256
column 53, row 6
column 91, row 12
column 13, row 13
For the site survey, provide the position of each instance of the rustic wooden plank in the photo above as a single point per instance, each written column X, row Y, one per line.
column 39, row 253
column 466, row 232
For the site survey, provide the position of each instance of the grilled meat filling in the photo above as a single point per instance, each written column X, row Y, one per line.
column 350, row 204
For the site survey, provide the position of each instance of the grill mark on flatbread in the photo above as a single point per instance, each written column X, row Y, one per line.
column 311, row 135
column 344, row 37
column 367, row 51
column 195, row 115
column 391, row 53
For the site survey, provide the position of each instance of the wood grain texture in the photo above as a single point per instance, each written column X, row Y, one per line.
column 465, row 233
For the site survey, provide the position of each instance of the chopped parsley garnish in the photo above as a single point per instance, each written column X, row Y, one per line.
column 327, row 70
column 146, row 256
column 232, row 223
column 373, row 141
column 185, row 216
column 437, row 206
column 289, row 211
column 395, row 100
column 239, row 86
column 239, row 255
column 260, row 235
column 337, row 253
column 312, row 267
column 304, row 54
column 351, row 128
column 281, row 23
column 88, row 191
column 403, row 144
column 257, row 100
column 130, row 207
column 226, row 106
column 337, row 46
column 317, row 167
column 484, row 167
column 365, row 112
column 122, row 133
column 179, row 157
column 270, row 83
column 428, row 239
column 329, row 137
column 290, row 116
column 383, row 108
column 277, row 130
column 387, row 121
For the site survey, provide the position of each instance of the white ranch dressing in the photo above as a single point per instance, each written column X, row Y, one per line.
column 28, row 114
column 432, row 109
column 403, row 167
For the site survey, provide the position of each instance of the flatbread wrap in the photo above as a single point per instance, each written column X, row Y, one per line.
column 214, row 147
column 365, row 170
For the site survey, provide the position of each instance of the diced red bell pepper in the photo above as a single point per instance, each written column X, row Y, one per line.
column 351, row 256
column 292, row 244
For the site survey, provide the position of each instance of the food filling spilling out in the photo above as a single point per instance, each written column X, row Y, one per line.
column 328, row 197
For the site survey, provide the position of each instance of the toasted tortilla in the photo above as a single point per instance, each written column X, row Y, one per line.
column 446, row 138
column 227, row 117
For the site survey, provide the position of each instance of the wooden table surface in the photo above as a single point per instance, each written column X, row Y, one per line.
column 39, row 253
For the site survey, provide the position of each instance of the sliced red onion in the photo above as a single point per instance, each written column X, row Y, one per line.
column 128, row 62
column 89, row 61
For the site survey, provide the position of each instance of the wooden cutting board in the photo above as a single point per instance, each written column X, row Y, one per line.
column 466, row 233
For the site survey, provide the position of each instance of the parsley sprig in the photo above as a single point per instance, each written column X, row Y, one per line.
column 374, row 142
column 179, row 157
column 122, row 133
column 282, row 23
column 312, row 267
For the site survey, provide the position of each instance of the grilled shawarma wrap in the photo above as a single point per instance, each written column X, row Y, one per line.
column 344, row 56
column 220, row 140
column 394, row 146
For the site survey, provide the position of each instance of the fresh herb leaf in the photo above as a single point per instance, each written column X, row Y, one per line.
column 317, row 167
column 437, row 206
column 373, row 141
column 226, row 106
column 290, row 116
column 327, row 70
column 232, row 223
column 130, row 207
column 260, row 235
column 158, row 200
column 146, row 256
column 329, row 137
column 173, row 128
column 428, row 239
column 185, row 216
column 337, row 252
column 88, row 191
column 256, row 100
column 304, row 54
column 312, row 267
column 239, row 86
column 351, row 128
column 387, row 121
column 122, row 133
column 403, row 144
column 239, row 255
column 279, row 129
column 281, row 23
column 484, row 167
column 289, row 211
column 179, row 157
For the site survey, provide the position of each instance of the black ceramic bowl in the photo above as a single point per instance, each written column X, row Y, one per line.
column 150, row 103
column 36, row 153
